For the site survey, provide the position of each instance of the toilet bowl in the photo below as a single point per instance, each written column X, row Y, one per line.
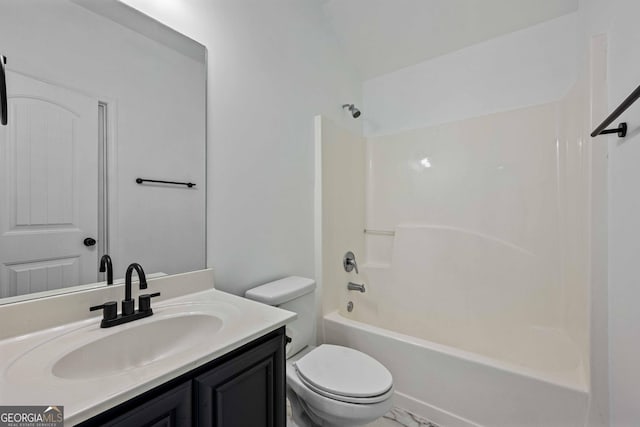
column 333, row 399
column 327, row 385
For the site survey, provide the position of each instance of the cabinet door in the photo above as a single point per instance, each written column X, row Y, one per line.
column 170, row 409
column 248, row 390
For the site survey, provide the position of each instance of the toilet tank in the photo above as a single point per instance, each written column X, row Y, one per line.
column 295, row 294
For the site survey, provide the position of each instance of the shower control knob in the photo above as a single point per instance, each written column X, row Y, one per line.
column 349, row 262
column 89, row 241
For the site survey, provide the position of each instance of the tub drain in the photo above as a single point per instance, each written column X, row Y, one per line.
column 350, row 306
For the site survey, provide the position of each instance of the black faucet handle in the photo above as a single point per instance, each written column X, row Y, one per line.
column 144, row 301
column 109, row 310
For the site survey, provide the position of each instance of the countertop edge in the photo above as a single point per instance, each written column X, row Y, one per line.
column 114, row 401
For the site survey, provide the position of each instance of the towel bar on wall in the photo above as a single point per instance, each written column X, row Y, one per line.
column 621, row 130
column 3, row 90
column 157, row 181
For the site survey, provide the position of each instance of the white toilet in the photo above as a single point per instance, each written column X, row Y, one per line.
column 328, row 385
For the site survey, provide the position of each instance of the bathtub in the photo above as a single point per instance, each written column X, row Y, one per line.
column 535, row 380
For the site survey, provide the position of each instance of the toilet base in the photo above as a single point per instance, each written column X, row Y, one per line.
column 303, row 416
column 300, row 413
column 306, row 416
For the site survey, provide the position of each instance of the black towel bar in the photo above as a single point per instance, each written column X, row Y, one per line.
column 141, row 181
column 3, row 90
column 621, row 130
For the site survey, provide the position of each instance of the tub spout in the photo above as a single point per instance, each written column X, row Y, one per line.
column 356, row 287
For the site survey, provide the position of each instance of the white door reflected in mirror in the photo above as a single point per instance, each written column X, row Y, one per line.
column 112, row 95
column 49, row 187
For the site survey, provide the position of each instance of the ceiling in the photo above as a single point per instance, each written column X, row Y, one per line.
column 381, row 36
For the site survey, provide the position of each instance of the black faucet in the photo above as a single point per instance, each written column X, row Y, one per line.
column 105, row 265
column 128, row 304
column 110, row 316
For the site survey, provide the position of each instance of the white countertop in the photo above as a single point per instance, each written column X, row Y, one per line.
column 26, row 361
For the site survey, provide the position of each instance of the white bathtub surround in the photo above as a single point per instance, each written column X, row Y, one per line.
column 477, row 285
column 481, row 288
column 340, row 204
column 490, row 238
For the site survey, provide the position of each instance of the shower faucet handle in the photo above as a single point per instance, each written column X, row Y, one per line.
column 349, row 262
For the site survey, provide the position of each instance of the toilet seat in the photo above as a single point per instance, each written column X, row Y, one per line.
column 348, row 399
column 344, row 374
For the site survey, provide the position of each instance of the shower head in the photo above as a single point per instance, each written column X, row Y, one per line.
column 354, row 111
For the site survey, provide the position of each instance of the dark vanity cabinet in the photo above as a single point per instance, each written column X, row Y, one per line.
column 247, row 390
column 172, row 408
column 244, row 388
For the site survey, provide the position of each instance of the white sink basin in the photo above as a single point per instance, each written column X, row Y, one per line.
column 175, row 334
column 136, row 346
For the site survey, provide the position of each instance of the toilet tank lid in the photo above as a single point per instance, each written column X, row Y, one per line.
column 281, row 291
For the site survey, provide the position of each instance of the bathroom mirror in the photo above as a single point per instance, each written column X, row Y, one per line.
column 99, row 96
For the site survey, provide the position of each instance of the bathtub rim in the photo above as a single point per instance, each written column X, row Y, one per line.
column 459, row 354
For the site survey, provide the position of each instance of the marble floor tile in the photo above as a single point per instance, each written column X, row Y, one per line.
column 397, row 417
column 407, row 419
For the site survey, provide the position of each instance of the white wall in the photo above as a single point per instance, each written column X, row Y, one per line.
column 618, row 19
column 533, row 66
column 624, row 220
column 273, row 66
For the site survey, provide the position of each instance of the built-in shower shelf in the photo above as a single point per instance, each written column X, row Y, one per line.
column 379, row 232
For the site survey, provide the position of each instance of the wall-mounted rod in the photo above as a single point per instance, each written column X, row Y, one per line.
column 3, row 90
column 621, row 130
column 141, row 181
column 380, row 232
